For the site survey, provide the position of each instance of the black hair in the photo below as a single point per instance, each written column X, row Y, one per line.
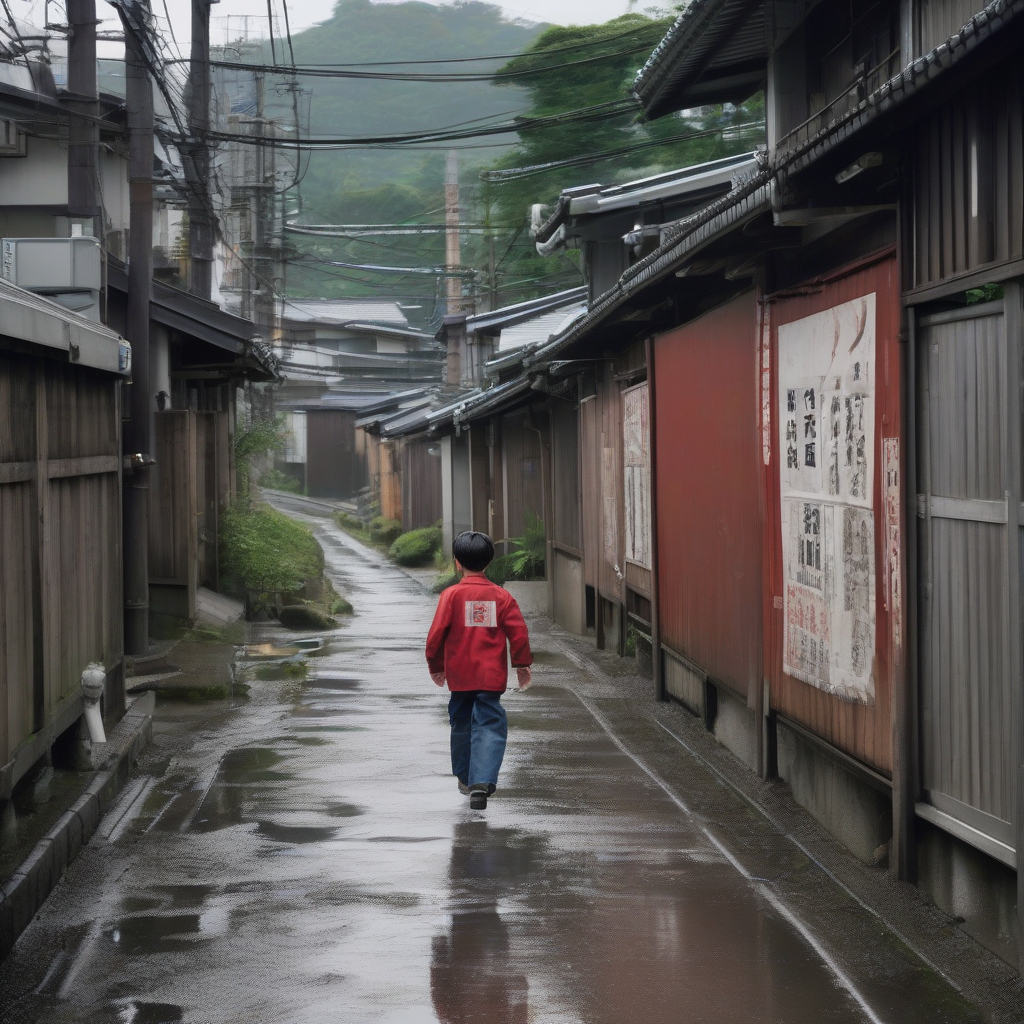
column 474, row 551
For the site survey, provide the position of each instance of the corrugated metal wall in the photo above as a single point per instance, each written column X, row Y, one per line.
column 968, row 681
column 60, row 538
column 709, row 492
column 862, row 729
column 331, row 470
column 969, row 187
column 421, row 485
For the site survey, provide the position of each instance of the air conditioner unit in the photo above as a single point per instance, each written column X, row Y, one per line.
column 67, row 270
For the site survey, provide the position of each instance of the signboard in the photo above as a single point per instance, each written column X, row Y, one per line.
column 826, row 405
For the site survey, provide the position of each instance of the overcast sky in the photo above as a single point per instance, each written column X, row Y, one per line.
column 230, row 15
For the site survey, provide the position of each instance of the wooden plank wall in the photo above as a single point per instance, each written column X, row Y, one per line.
column 969, row 194
column 172, row 522
column 60, row 530
column 390, row 463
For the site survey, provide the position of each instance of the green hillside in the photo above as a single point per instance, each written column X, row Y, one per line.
column 388, row 185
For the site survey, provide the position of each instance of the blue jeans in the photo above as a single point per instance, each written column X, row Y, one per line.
column 479, row 732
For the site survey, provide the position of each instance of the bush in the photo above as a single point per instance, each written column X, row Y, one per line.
column 349, row 522
column 416, row 547
column 278, row 481
column 384, row 530
column 526, row 559
column 266, row 551
column 447, row 577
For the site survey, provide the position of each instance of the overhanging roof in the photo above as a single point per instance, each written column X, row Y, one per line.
column 204, row 320
column 507, row 316
column 715, row 52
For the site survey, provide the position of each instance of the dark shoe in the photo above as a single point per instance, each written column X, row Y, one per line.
column 478, row 797
column 463, row 788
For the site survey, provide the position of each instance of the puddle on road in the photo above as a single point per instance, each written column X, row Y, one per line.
column 153, row 933
column 331, row 681
column 246, row 778
column 344, row 810
column 150, row 1013
column 479, row 851
column 553, row 658
column 175, row 897
column 294, row 834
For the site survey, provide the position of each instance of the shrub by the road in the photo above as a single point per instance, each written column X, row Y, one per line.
column 416, row 547
column 385, row 530
column 266, row 551
column 278, row 481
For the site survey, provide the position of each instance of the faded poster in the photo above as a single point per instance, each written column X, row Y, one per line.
column 637, row 475
column 826, row 448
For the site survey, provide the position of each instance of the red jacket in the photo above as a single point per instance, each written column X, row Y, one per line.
column 473, row 622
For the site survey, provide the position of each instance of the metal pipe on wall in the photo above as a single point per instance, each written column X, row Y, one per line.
column 138, row 433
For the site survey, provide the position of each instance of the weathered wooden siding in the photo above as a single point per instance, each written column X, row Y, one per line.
column 421, row 485
column 522, row 471
column 969, row 180
column 590, row 486
column 331, row 468
column 390, row 468
column 568, row 606
column 612, row 554
column 60, row 527
column 173, row 522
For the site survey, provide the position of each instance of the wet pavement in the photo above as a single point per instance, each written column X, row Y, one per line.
column 305, row 856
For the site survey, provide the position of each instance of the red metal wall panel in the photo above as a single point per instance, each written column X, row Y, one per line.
column 709, row 470
column 861, row 728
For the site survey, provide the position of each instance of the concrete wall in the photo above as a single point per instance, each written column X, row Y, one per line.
column 974, row 888
column 856, row 813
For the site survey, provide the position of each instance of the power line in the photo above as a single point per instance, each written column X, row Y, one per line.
column 582, row 115
column 311, row 71
column 496, row 177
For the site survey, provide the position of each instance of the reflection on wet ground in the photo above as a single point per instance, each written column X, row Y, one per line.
column 296, row 867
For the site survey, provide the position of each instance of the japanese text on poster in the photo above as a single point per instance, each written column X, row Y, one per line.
column 826, row 445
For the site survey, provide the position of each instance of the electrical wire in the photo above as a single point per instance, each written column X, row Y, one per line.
column 515, row 173
column 582, row 115
column 496, row 77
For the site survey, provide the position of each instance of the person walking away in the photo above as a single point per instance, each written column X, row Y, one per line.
column 476, row 622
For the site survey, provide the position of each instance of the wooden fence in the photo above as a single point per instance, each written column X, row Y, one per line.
column 60, row 538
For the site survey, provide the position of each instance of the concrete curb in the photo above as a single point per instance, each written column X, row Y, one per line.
column 28, row 887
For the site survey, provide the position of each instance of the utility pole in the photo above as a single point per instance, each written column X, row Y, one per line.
column 197, row 167
column 453, row 259
column 83, row 130
column 138, row 434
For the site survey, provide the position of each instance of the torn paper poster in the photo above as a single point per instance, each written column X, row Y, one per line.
column 637, row 475
column 826, row 444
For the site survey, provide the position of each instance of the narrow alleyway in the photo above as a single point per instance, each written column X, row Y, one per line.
column 305, row 856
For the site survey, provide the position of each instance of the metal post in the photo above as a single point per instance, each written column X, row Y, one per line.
column 197, row 167
column 138, row 432
column 83, row 130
